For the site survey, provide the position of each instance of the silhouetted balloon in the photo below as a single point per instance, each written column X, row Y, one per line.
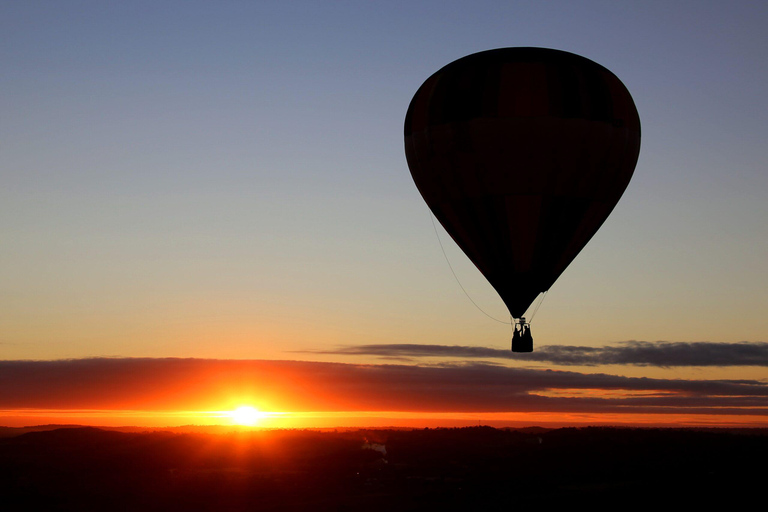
column 522, row 153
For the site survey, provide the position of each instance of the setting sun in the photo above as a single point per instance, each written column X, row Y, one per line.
column 246, row 415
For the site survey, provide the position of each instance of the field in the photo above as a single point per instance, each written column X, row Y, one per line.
column 78, row 468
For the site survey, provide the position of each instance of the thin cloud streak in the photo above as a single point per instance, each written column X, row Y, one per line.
column 636, row 353
column 203, row 384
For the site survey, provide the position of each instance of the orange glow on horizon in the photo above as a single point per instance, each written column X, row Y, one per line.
column 602, row 393
column 250, row 417
column 247, row 416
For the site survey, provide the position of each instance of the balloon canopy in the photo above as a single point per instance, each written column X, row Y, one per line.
column 521, row 154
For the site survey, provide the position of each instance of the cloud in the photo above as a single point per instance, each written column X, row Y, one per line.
column 637, row 353
column 205, row 384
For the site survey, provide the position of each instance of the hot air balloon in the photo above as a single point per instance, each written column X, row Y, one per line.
column 521, row 154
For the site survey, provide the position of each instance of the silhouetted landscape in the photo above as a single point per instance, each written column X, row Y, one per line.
column 85, row 468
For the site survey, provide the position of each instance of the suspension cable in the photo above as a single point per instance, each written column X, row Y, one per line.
column 541, row 300
column 434, row 226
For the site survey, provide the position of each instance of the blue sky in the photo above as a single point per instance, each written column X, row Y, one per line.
column 227, row 179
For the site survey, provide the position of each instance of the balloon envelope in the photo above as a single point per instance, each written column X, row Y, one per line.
column 521, row 154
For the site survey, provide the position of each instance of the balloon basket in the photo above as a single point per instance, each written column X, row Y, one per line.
column 522, row 345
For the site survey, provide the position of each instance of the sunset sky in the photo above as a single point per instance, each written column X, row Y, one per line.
column 206, row 204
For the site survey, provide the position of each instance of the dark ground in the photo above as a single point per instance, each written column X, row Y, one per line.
column 477, row 468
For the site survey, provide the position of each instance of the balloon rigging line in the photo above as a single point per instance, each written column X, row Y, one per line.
column 434, row 226
column 537, row 307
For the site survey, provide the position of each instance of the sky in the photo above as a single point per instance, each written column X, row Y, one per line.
column 225, row 183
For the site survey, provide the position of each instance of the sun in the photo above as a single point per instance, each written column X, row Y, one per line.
column 246, row 415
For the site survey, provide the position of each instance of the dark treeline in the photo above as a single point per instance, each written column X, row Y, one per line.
column 476, row 468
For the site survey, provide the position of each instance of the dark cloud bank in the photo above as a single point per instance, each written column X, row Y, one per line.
column 148, row 384
column 637, row 353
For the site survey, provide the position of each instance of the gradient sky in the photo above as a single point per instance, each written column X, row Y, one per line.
column 226, row 180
